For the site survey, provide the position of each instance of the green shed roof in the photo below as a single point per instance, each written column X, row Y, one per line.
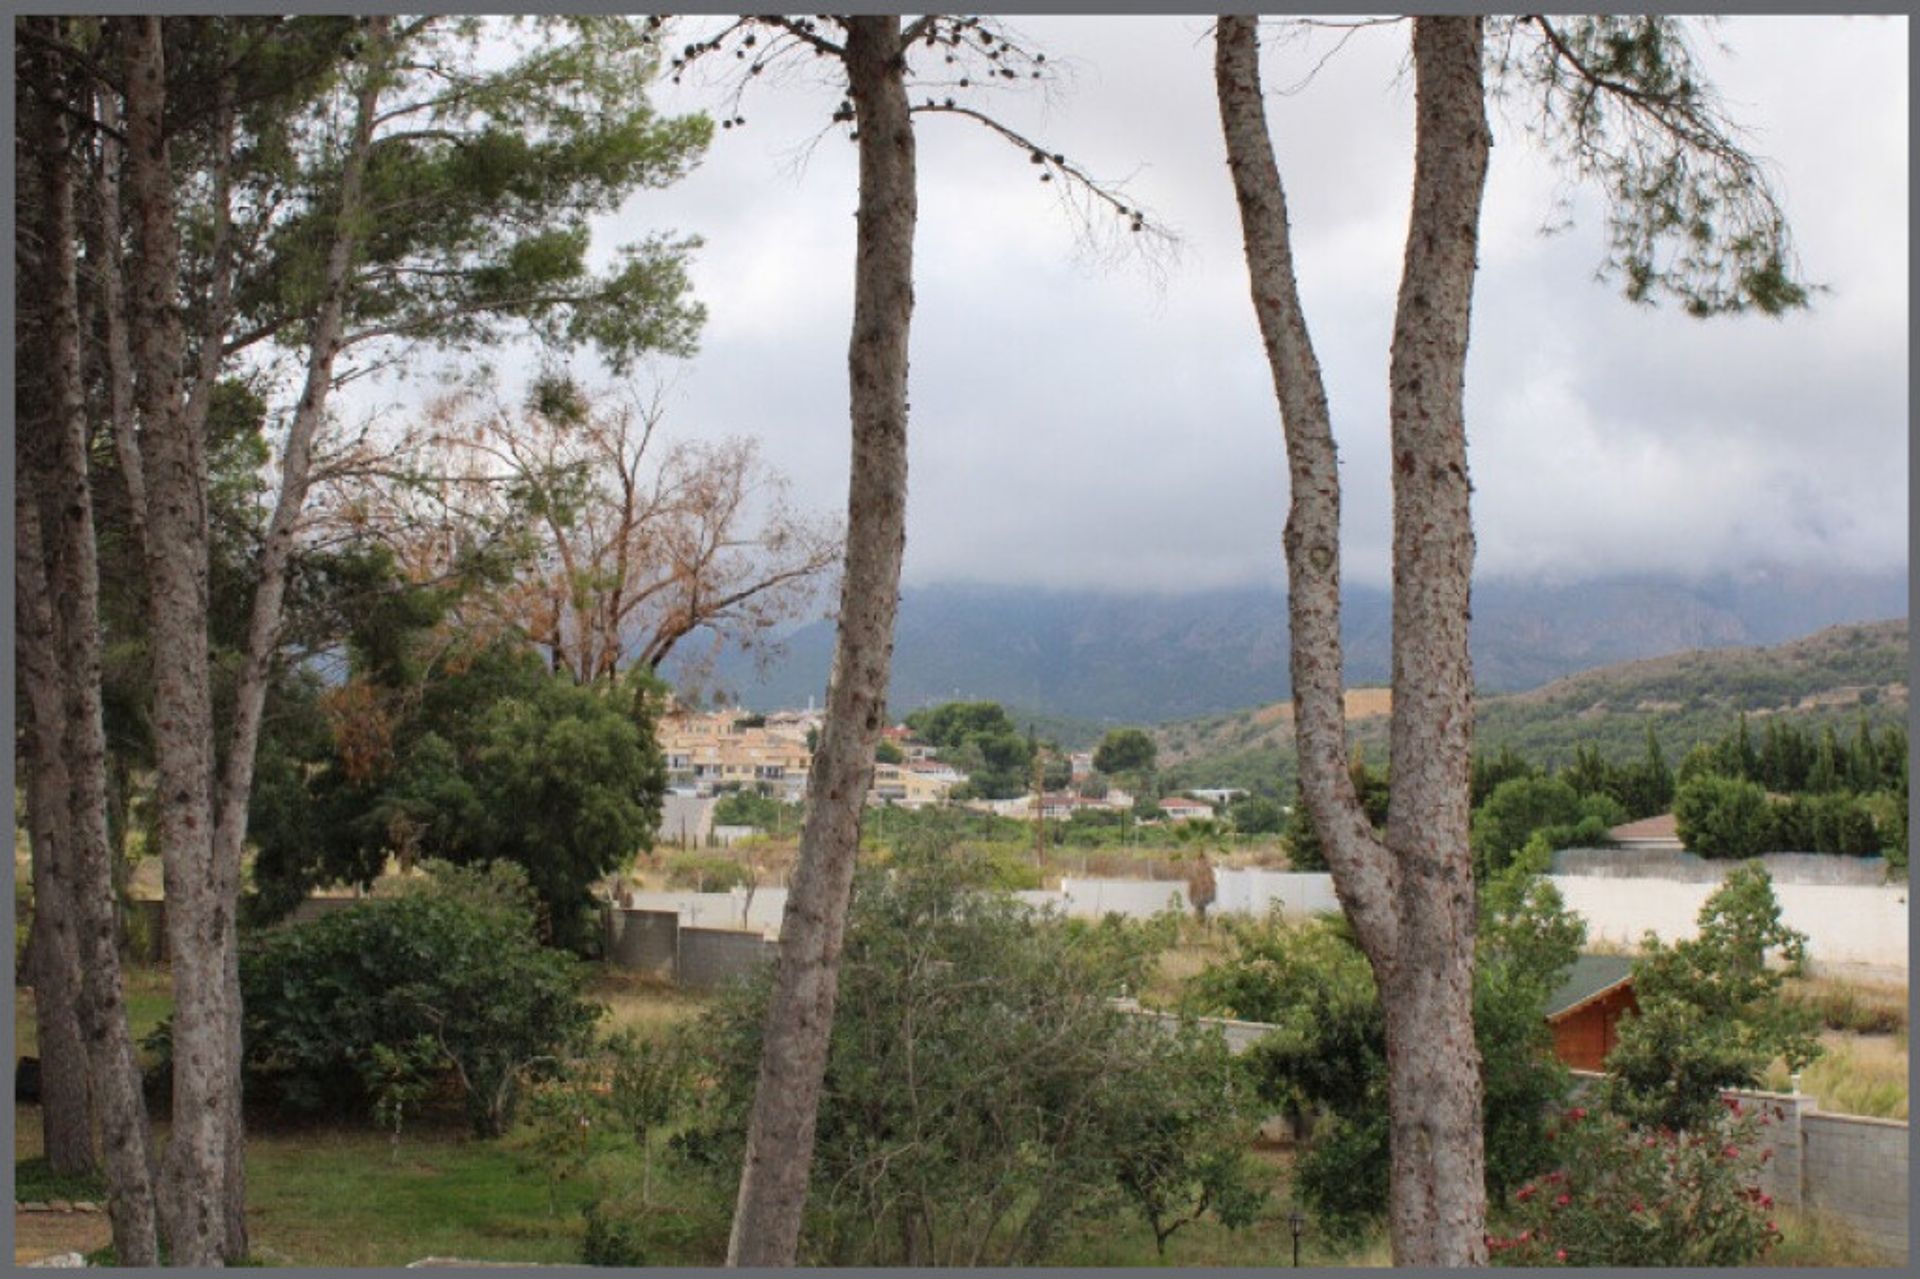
column 1590, row 975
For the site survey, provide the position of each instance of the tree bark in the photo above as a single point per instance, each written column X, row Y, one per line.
column 1433, row 1065
column 53, row 958
column 200, row 920
column 779, row 1152
column 1410, row 896
column 270, row 582
column 67, row 630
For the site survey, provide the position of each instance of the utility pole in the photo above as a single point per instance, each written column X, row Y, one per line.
column 1039, row 804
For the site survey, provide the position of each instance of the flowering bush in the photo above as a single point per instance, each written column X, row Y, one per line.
column 1625, row 1196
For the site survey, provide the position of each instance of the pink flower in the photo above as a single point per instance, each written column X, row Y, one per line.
column 1559, row 1254
column 1731, row 1152
column 1563, row 1201
column 1577, row 1114
column 1525, row 1192
column 1525, row 1236
column 1635, row 1206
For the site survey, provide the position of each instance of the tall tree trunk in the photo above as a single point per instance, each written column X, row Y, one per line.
column 53, row 957
column 270, row 579
column 72, row 623
column 106, row 260
column 1433, row 1065
column 779, row 1153
column 1410, row 896
column 51, row 963
column 200, row 921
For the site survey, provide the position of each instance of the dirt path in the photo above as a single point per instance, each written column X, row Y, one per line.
column 38, row 1235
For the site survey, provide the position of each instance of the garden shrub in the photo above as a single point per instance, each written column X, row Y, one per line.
column 611, row 1240
column 982, row 1090
column 1620, row 1195
column 1327, row 1053
column 447, row 976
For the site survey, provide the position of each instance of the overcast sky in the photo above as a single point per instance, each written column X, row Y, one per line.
column 1078, row 422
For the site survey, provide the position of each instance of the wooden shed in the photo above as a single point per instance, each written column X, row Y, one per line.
column 1585, row 1011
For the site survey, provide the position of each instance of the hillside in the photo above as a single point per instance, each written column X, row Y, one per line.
column 1112, row 657
column 1835, row 676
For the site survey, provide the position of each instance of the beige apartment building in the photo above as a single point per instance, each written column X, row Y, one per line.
column 708, row 751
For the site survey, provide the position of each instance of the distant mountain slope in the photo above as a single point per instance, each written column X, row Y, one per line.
column 1109, row 657
column 1836, row 675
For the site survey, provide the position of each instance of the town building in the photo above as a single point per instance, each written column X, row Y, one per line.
column 728, row 750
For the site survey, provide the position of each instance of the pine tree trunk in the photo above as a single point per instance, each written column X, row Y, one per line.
column 53, row 958
column 1411, row 898
column 270, row 577
column 1439, row 1218
column 200, row 917
column 779, row 1153
column 71, row 625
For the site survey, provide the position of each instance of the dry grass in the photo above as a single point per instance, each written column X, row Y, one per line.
column 638, row 1002
column 1814, row 1239
column 1865, row 1008
column 1857, row 1075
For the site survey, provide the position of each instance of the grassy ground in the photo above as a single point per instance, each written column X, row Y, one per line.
column 344, row 1194
column 149, row 1000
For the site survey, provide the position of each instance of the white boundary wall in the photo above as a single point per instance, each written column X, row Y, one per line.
column 1857, row 930
column 1853, row 930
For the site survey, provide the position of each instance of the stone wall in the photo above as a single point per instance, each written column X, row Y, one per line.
column 711, row 957
column 646, row 941
column 1855, row 1169
column 664, row 944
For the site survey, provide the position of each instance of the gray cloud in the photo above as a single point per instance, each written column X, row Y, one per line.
column 1077, row 422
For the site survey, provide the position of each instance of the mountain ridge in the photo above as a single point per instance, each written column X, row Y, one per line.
column 1112, row 657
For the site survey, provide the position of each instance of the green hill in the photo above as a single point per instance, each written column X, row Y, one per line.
column 1834, row 676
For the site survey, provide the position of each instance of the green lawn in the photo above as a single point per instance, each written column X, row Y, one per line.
column 149, row 1000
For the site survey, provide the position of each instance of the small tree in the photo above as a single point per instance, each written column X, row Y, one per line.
column 1722, row 817
column 1710, row 1014
column 1125, row 750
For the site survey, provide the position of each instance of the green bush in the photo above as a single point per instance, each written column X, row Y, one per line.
column 335, row 1006
column 982, row 1092
column 611, row 1240
column 1624, row 1196
column 1328, row 1051
column 1721, row 817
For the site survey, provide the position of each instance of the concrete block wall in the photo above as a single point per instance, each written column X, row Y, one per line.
column 1297, row 894
column 712, row 957
column 1855, row 1169
column 1133, row 898
column 647, row 941
column 660, row 942
column 1784, row 1176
